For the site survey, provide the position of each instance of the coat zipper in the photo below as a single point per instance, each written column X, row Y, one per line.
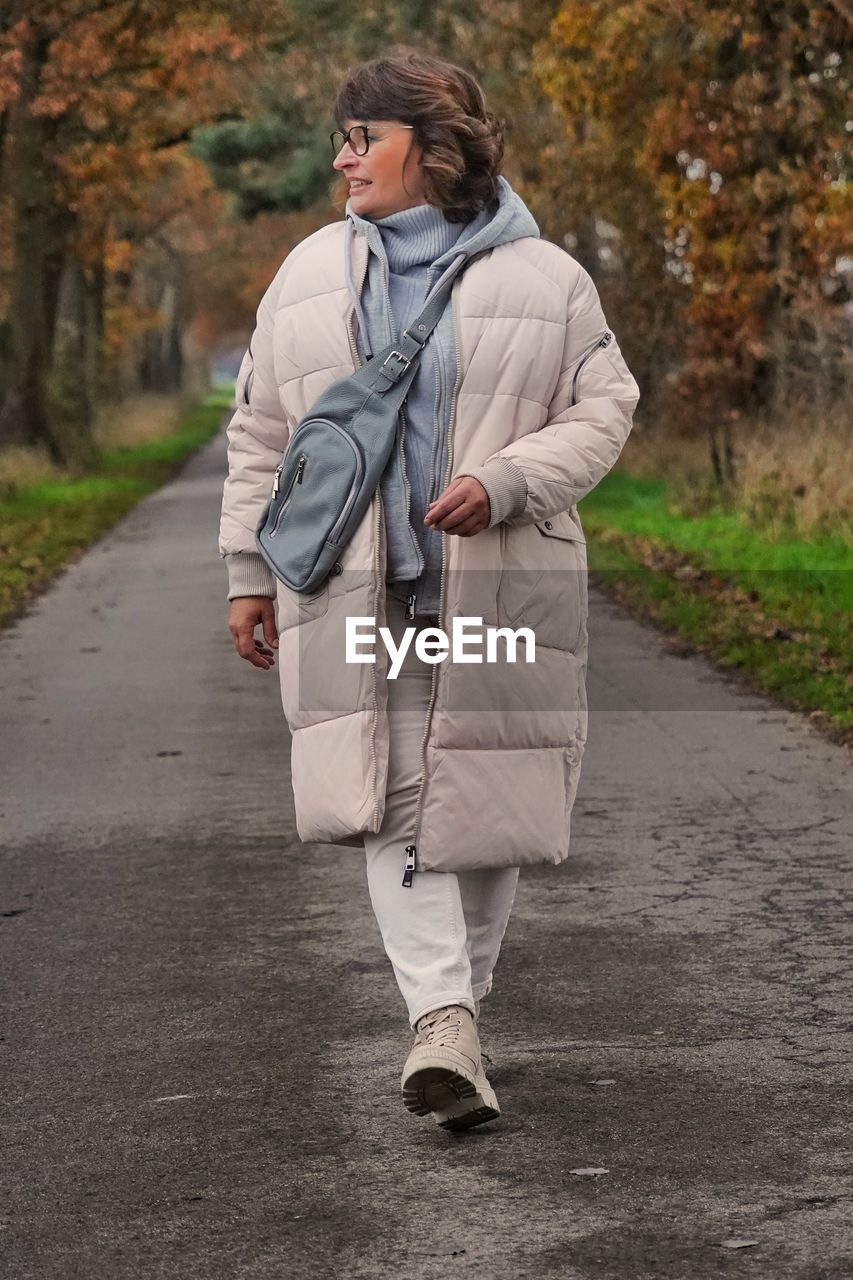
column 602, row 342
column 408, row 488
column 412, row 849
column 296, row 479
column 371, row 745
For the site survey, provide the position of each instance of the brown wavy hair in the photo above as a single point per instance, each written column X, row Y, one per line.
column 461, row 140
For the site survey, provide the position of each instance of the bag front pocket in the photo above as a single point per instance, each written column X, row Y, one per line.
column 316, row 485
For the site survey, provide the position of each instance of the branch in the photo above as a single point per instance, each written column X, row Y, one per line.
column 140, row 235
column 186, row 134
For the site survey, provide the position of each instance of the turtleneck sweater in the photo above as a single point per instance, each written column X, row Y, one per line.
column 404, row 247
column 412, row 239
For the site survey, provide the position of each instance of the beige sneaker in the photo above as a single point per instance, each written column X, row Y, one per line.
column 444, row 1071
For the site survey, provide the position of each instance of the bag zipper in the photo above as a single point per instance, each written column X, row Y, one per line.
column 412, row 849
column 295, row 479
column 602, row 342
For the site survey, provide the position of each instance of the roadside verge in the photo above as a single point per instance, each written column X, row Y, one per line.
column 777, row 612
column 47, row 525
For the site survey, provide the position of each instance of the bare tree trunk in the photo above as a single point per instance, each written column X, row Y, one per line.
column 68, row 395
column 779, row 318
column 40, row 231
column 775, row 145
column 161, row 367
column 24, row 415
column 729, row 469
column 716, row 458
column 171, row 358
column 95, row 290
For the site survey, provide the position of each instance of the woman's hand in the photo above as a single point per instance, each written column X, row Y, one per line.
column 463, row 508
column 245, row 614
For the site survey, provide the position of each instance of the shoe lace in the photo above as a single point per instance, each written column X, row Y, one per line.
column 441, row 1026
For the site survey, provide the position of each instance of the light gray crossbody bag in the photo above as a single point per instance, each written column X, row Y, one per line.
column 336, row 455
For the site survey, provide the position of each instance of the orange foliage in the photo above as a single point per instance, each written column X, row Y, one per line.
column 119, row 87
column 731, row 120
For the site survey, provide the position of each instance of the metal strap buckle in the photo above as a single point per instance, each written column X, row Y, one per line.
column 403, row 365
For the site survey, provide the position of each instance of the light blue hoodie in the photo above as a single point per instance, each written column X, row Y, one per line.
column 409, row 253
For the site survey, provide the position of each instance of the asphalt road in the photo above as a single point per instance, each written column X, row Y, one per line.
column 202, row 1039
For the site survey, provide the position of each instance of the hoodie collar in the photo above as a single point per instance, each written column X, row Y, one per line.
column 504, row 220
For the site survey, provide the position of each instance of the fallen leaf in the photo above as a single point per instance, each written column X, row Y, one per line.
column 592, row 1172
column 738, row 1244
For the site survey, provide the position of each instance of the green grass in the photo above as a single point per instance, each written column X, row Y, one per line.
column 44, row 525
column 778, row 610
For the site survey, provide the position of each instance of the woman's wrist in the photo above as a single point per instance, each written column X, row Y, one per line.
column 506, row 486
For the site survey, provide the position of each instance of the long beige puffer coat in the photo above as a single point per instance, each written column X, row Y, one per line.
column 541, row 382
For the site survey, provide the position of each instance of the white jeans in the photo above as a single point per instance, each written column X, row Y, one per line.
column 443, row 934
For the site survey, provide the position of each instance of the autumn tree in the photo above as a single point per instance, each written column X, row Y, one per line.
column 721, row 127
column 94, row 96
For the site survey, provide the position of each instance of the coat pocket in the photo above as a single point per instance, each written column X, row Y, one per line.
column 243, row 385
column 543, row 581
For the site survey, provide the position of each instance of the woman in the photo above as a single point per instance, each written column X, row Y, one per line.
column 451, row 774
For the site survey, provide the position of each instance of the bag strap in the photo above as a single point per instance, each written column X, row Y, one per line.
column 399, row 360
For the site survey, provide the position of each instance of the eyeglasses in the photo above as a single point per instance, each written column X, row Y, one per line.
column 359, row 137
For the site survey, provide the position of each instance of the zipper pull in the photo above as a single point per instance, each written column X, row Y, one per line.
column 410, row 606
column 300, row 468
column 277, row 481
column 410, row 866
column 606, row 340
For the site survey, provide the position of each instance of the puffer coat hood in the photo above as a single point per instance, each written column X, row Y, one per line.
column 542, row 384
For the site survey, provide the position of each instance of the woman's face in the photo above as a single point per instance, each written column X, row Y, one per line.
column 376, row 180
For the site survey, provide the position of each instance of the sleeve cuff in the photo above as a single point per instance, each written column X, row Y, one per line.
column 506, row 486
column 249, row 575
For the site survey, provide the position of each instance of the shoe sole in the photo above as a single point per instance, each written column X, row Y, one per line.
column 455, row 1101
column 456, row 1120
